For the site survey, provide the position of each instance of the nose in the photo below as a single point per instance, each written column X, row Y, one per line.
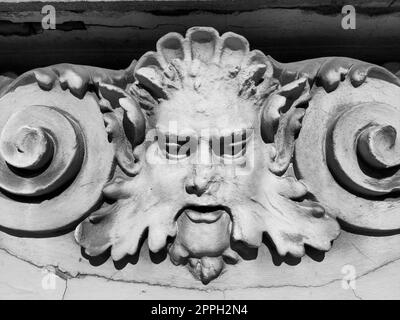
column 204, row 153
column 194, row 189
column 198, row 187
column 203, row 174
column 201, row 182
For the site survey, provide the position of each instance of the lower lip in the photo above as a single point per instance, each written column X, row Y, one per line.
column 205, row 217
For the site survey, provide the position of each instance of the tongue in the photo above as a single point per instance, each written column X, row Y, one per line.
column 207, row 236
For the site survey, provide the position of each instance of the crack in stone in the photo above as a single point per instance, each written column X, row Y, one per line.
column 60, row 273
column 362, row 253
column 69, row 276
column 27, row 29
column 65, row 289
column 356, row 295
column 378, row 268
column 157, row 26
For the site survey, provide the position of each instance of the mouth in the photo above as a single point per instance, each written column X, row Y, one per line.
column 204, row 214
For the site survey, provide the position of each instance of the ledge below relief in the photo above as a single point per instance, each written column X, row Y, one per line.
column 23, row 265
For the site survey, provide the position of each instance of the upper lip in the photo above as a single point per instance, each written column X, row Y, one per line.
column 203, row 201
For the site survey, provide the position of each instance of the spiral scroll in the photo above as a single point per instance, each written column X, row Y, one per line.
column 348, row 153
column 54, row 158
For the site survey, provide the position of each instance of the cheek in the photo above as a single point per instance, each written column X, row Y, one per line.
column 245, row 180
column 238, row 188
column 243, row 168
column 168, row 177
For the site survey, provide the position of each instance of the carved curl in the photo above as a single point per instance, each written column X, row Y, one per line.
column 348, row 153
column 48, row 142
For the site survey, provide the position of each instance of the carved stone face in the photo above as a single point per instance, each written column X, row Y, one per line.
column 203, row 159
column 208, row 171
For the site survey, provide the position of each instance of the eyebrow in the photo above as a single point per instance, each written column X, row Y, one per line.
column 178, row 138
column 182, row 133
column 240, row 134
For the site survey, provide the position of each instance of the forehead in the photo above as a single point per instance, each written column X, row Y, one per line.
column 215, row 111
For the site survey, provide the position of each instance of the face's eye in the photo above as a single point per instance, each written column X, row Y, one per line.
column 231, row 146
column 176, row 147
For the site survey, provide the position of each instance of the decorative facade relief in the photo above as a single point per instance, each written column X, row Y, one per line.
column 200, row 147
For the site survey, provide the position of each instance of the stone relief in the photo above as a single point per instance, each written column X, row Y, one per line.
column 200, row 146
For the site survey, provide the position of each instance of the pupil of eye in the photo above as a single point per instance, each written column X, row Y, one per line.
column 231, row 145
column 177, row 147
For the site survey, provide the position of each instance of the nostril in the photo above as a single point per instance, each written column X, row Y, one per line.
column 194, row 189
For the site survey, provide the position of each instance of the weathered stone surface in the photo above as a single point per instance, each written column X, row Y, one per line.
column 267, row 277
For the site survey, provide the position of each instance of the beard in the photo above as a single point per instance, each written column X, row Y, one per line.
column 200, row 236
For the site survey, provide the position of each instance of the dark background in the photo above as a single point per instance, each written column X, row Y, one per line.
column 113, row 33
